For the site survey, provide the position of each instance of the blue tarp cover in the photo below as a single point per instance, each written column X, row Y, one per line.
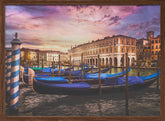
column 104, row 70
column 73, row 73
column 47, row 70
column 102, row 75
column 26, row 71
column 73, row 85
column 122, row 80
column 150, row 76
column 42, row 75
column 51, row 79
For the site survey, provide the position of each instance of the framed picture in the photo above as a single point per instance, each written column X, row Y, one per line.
column 82, row 60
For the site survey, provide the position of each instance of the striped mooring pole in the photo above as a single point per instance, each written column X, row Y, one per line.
column 14, row 92
column 8, row 73
column 6, row 68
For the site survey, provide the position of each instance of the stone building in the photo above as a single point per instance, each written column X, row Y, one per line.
column 155, row 47
column 147, row 49
column 36, row 57
column 143, row 49
column 110, row 49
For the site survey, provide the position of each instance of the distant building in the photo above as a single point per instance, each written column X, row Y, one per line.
column 147, row 49
column 155, row 47
column 36, row 56
column 143, row 49
column 110, row 49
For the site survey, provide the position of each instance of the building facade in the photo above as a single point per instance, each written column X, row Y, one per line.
column 148, row 49
column 110, row 49
column 143, row 49
column 155, row 47
column 36, row 57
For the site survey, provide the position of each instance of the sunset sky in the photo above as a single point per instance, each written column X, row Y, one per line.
column 59, row 27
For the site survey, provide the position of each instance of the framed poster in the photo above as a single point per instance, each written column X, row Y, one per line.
column 82, row 60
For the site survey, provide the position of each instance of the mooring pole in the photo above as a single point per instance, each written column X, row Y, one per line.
column 123, row 65
column 59, row 71
column 110, row 66
column 100, row 91
column 38, row 64
column 14, row 88
column 126, row 87
column 79, row 65
column 6, row 67
column 82, row 67
column 92, row 66
column 157, row 71
column 64, row 65
column 8, row 73
column 138, row 63
column 42, row 64
column 73, row 64
column 70, row 69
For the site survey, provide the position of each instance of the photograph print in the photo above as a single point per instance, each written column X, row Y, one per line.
column 82, row 60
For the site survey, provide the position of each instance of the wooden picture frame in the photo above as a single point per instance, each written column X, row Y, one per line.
column 80, row 2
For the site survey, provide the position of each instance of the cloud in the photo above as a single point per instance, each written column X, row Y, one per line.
column 48, row 26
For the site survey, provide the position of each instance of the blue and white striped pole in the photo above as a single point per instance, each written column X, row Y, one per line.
column 8, row 69
column 14, row 93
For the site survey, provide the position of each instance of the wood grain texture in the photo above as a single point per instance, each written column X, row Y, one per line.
column 81, row 2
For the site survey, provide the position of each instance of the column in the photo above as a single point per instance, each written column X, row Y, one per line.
column 14, row 92
column 113, row 61
column 130, row 61
column 118, row 61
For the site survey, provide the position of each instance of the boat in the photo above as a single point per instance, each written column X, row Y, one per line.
column 111, row 85
column 102, row 75
column 91, row 78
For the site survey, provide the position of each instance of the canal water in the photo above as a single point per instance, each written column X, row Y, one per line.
column 142, row 102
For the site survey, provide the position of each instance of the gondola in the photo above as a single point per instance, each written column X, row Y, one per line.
column 83, row 88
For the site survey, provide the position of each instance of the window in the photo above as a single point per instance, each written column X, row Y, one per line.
column 103, row 50
column 156, row 52
column 156, row 47
column 111, row 50
column 132, row 42
column 122, row 49
column 100, row 51
column 115, row 49
column 156, row 41
column 152, row 47
column 152, row 41
column 159, row 46
column 107, row 50
column 133, row 50
column 96, row 51
column 121, row 41
column 127, row 42
column 127, row 49
column 115, row 42
column 159, row 41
